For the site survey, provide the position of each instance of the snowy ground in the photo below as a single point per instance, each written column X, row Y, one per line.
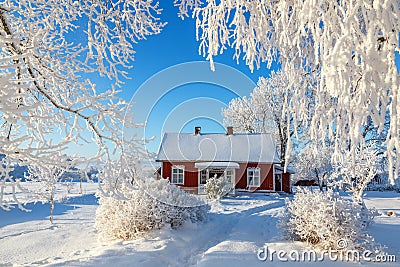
column 237, row 229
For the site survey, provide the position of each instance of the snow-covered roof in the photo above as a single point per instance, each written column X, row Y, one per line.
column 218, row 147
column 216, row 164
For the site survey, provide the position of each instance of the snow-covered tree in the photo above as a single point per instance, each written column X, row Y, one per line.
column 350, row 45
column 356, row 170
column 7, row 169
column 241, row 115
column 314, row 162
column 265, row 111
column 45, row 178
column 48, row 53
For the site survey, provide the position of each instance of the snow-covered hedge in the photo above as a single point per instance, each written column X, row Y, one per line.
column 216, row 188
column 326, row 220
column 154, row 204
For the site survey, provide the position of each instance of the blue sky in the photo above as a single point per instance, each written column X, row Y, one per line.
column 173, row 87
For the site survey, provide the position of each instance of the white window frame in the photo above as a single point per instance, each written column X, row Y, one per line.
column 180, row 171
column 231, row 178
column 256, row 177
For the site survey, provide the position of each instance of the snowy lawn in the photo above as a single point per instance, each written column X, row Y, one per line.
column 238, row 227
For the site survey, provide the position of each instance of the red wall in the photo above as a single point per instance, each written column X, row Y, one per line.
column 266, row 175
column 191, row 174
column 286, row 182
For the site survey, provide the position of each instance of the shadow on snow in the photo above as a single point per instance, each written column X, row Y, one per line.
column 39, row 211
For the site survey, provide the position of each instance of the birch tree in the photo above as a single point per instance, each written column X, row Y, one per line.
column 349, row 45
column 48, row 53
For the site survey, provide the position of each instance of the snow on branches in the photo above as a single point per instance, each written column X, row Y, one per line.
column 150, row 206
column 356, row 170
column 265, row 110
column 216, row 188
column 324, row 218
column 46, row 177
column 314, row 162
column 349, row 45
column 48, row 52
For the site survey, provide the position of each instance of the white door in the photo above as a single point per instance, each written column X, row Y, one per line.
column 203, row 176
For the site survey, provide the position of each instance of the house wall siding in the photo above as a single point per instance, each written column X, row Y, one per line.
column 191, row 175
column 266, row 174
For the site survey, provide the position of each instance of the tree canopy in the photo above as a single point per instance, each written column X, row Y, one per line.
column 349, row 45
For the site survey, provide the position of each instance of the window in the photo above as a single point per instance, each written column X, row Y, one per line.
column 253, row 177
column 229, row 175
column 178, row 174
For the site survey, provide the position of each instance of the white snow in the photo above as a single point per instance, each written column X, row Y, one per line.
column 218, row 147
column 237, row 228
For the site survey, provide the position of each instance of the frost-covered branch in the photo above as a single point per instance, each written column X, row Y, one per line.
column 357, row 169
column 314, row 162
column 267, row 110
column 351, row 43
column 49, row 53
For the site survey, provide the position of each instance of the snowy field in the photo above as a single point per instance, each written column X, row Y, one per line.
column 237, row 229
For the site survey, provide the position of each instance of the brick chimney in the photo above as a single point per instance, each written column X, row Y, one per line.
column 229, row 130
column 197, row 130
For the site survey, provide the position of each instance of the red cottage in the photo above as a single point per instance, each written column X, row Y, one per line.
column 249, row 161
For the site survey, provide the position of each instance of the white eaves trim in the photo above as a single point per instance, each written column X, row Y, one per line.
column 216, row 164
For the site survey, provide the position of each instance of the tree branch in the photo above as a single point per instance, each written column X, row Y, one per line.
column 43, row 91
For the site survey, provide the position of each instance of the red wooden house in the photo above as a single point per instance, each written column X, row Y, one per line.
column 249, row 161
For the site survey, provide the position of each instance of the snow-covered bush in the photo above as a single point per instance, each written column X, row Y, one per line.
column 151, row 205
column 324, row 219
column 216, row 188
